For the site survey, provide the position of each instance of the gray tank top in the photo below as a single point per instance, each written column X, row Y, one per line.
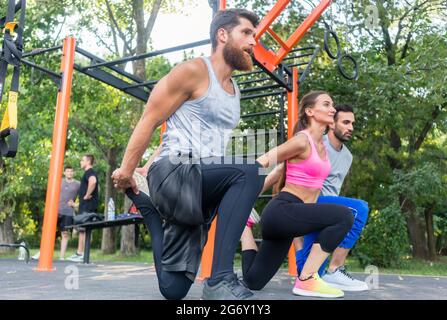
column 202, row 127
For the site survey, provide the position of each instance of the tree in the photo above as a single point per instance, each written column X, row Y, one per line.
column 128, row 28
column 22, row 179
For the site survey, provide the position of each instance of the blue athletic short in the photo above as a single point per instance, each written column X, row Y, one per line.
column 359, row 209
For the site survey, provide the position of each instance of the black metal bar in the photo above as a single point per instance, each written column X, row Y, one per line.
column 307, row 70
column 36, row 52
column 35, row 66
column 262, row 95
column 115, row 82
column 116, row 69
column 253, row 81
column 261, row 71
column 149, row 54
column 266, row 87
column 257, row 114
column 262, row 196
column 143, row 84
column 280, row 80
column 137, row 235
column 281, row 111
column 298, row 56
column 247, row 73
column 249, row 155
column 298, row 64
column 88, row 238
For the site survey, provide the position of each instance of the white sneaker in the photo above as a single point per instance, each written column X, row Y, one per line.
column 342, row 280
column 141, row 183
column 36, row 256
column 76, row 258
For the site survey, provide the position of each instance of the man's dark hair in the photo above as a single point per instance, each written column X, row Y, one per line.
column 228, row 19
column 90, row 158
column 68, row 167
column 343, row 108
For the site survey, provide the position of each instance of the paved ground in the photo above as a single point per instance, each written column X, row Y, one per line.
column 123, row 281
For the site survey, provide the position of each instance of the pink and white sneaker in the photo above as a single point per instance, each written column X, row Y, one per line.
column 316, row 287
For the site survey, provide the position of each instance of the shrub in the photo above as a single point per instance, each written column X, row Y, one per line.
column 384, row 241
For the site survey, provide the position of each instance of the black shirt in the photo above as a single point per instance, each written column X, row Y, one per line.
column 90, row 205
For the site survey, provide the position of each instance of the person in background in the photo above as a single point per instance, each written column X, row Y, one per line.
column 88, row 200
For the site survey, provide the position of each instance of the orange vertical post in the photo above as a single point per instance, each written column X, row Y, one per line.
column 57, row 158
column 162, row 130
column 292, row 115
column 207, row 255
column 222, row 4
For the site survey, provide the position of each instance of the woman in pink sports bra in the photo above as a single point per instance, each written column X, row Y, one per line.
column 304, row 165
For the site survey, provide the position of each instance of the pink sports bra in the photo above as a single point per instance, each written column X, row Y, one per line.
column 311, row 172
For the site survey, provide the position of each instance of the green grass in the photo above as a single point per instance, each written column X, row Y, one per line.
column 411, row 267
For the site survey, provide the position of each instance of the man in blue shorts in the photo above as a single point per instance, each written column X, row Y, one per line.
column 341, row 160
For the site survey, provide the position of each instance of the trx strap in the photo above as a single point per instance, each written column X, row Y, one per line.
column 11, row 55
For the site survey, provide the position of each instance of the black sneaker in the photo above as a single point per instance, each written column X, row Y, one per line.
column 228, row 289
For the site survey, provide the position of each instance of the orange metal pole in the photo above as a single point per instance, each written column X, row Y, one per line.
column 302, row 29
column 207, row 255
column 223, row 4
column 292, row 114
column 270, row 17
column 277, row 38
column 57, row 158
column 163, row 129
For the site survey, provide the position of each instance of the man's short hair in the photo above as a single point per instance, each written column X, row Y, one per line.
column 68, row 167
column 342, row 108
column 228, row 19
column 90, row 158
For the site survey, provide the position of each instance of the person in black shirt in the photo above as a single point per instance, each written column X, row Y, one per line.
column 88, row 200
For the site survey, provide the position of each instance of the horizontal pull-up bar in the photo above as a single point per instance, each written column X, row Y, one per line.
column 149, row 54
column 263, row 95
column 35, row 66
column 114, row 68
column 36, row 52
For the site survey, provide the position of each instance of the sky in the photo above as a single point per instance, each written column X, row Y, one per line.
column 189, row 26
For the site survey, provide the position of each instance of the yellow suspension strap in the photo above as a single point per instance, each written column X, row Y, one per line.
column 11, row 55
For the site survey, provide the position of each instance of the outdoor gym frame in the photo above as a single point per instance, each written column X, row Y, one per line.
column 273, row 78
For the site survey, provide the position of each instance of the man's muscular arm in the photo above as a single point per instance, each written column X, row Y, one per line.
column 166, row 97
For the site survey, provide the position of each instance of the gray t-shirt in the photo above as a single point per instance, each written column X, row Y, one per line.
column 340, row 164
column 69, row 191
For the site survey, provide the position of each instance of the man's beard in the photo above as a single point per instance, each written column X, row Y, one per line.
column 237, row 58
column 340, row 136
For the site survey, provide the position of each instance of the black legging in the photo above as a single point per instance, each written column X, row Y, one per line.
column 284, row 218
column 172, row 285
column 230, row 188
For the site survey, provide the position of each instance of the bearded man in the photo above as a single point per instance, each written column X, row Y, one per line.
column 201, row 106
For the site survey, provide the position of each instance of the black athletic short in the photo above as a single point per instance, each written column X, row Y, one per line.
column 63, row 221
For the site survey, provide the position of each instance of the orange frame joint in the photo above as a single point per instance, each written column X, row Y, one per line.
column 269, row 59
